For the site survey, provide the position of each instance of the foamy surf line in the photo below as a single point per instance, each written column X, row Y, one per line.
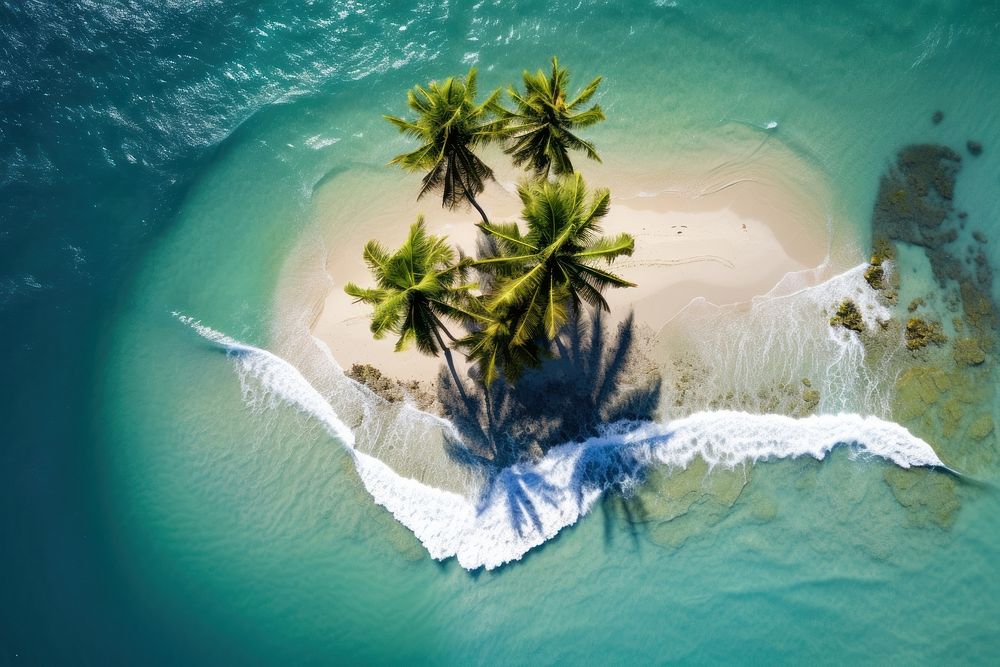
column 527, row 504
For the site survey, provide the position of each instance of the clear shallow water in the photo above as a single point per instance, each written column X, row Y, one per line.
column 159, row 504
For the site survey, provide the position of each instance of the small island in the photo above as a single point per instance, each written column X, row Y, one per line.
column 551, row 260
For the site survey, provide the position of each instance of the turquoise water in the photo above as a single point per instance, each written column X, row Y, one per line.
column 169, row 515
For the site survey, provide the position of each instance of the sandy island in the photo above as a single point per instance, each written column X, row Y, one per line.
column 727, row 240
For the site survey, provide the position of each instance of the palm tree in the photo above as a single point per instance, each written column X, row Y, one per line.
column 543, row 122
column 449, row 125
column 492, row 345
column 551, row 269
column 417, row 286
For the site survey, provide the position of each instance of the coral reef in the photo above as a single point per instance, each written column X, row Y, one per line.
column 914, row 198
column 941, row 393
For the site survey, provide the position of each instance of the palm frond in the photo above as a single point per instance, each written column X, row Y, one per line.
column 585, row 290
column 375, row 255
column 519, row 288
column 555, row 313
column 364, row 295
column 387, row 315
column 508, row 234
column 588, row 117
column 584, row 95
column 604, row 278
column 608, row 248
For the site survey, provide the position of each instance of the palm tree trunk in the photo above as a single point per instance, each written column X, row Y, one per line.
column 472, row 200
column 451, row 364
column 445, row 330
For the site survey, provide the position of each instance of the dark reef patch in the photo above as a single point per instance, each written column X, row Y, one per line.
column 945, row 393
column 914, row 198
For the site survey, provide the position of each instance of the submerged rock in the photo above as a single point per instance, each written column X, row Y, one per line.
column 981, row 428
column 673, row 505
column 917, row 389
column 979, row 310
column 875, row 273
column 968, row 353
column 848, row 316
column 920, row 334
column 975, row 148
column 937, row 117
column 811, row 398
column 929, row 496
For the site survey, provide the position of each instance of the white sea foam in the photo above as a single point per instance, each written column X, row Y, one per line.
column 523, row 505
column 281, row 380
column 318, row 141
column 784, row 336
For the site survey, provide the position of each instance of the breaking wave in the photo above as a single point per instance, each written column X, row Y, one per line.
column 493, row 519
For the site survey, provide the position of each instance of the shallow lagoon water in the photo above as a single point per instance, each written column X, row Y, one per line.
column 232, row 532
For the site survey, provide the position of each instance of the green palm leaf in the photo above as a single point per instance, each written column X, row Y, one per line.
column 608, row 248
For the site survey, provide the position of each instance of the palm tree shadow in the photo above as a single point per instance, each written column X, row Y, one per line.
column 524, row 491
column 618, row 509
column 520, row 489
column 586, row 384
column 568, row 398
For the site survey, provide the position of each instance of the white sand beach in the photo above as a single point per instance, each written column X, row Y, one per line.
column 727, row 245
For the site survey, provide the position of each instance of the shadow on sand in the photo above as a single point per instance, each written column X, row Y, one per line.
column 585, row 384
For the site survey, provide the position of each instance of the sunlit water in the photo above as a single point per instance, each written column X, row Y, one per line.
column 233, row 519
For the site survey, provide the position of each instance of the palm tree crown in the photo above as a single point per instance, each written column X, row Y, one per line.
column 416, row 286
column 491, row 344
column 543, row 273
column 543, row 121
column 449, row 125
